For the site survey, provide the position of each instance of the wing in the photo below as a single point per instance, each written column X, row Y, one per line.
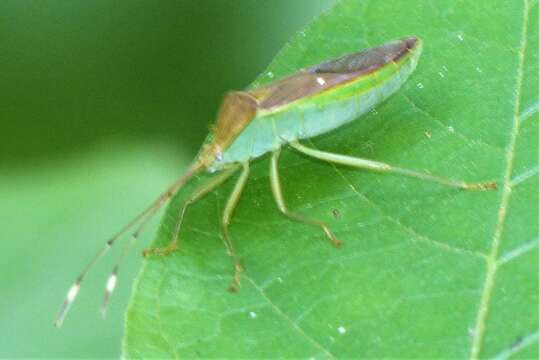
column 237, row 110
column 324, row 76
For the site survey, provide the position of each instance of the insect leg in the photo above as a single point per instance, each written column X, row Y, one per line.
column 196, row 195
column 382, row 167
column 279, row 199
column 225, row 222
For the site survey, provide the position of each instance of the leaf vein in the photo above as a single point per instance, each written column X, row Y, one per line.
column 492, row 263
column 285, row 317
column 518, row 345
column 529, row 112
column 519, row 251
column 417, row 236
column 439, row 122
column 159, row 322
column 519, row 179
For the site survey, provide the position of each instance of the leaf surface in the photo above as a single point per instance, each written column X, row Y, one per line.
column 424, row 270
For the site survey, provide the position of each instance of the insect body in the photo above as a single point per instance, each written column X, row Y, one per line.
column 310, row 102
column 254, row 122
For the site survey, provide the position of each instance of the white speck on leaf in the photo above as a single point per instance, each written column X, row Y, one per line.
column 252, row 314
column 441, row 74
column 478, row 69
column 420, row 85
column 451, row 129
column 461, row 38
column 270, row 75
column 342, row 330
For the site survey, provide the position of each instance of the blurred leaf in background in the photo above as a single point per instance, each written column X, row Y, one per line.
column 425, row 271
column 101, row 105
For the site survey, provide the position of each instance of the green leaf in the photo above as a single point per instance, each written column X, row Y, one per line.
column 424, row 270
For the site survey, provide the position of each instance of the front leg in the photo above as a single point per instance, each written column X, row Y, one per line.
column 196, row 195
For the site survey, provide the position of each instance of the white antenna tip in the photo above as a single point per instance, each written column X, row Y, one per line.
column 111, row 283
column 73, row 292
column 71, row 295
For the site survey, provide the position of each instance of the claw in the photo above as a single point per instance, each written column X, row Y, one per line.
column 160, row 251
column 481, row 186
column 235, row 283
column 337, row 243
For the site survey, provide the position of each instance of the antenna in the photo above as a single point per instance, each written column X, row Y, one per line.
column 141, row 219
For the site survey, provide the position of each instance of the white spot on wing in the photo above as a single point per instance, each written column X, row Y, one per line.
column 321, row 81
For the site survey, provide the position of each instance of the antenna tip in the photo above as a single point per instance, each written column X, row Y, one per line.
column 103, row 311
column 71, row 296
column 111, row 284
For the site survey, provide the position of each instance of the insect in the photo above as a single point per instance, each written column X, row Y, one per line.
column 262, row 120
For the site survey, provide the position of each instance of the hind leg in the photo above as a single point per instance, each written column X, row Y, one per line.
column 386, row 168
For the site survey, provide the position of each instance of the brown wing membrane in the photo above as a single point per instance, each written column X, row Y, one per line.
column 298, row 86
column 321, row 77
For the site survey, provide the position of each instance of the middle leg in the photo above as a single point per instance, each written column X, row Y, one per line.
column 279, row 199
column 227, row 216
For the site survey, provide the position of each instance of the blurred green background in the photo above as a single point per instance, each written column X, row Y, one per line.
column 103, row 103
